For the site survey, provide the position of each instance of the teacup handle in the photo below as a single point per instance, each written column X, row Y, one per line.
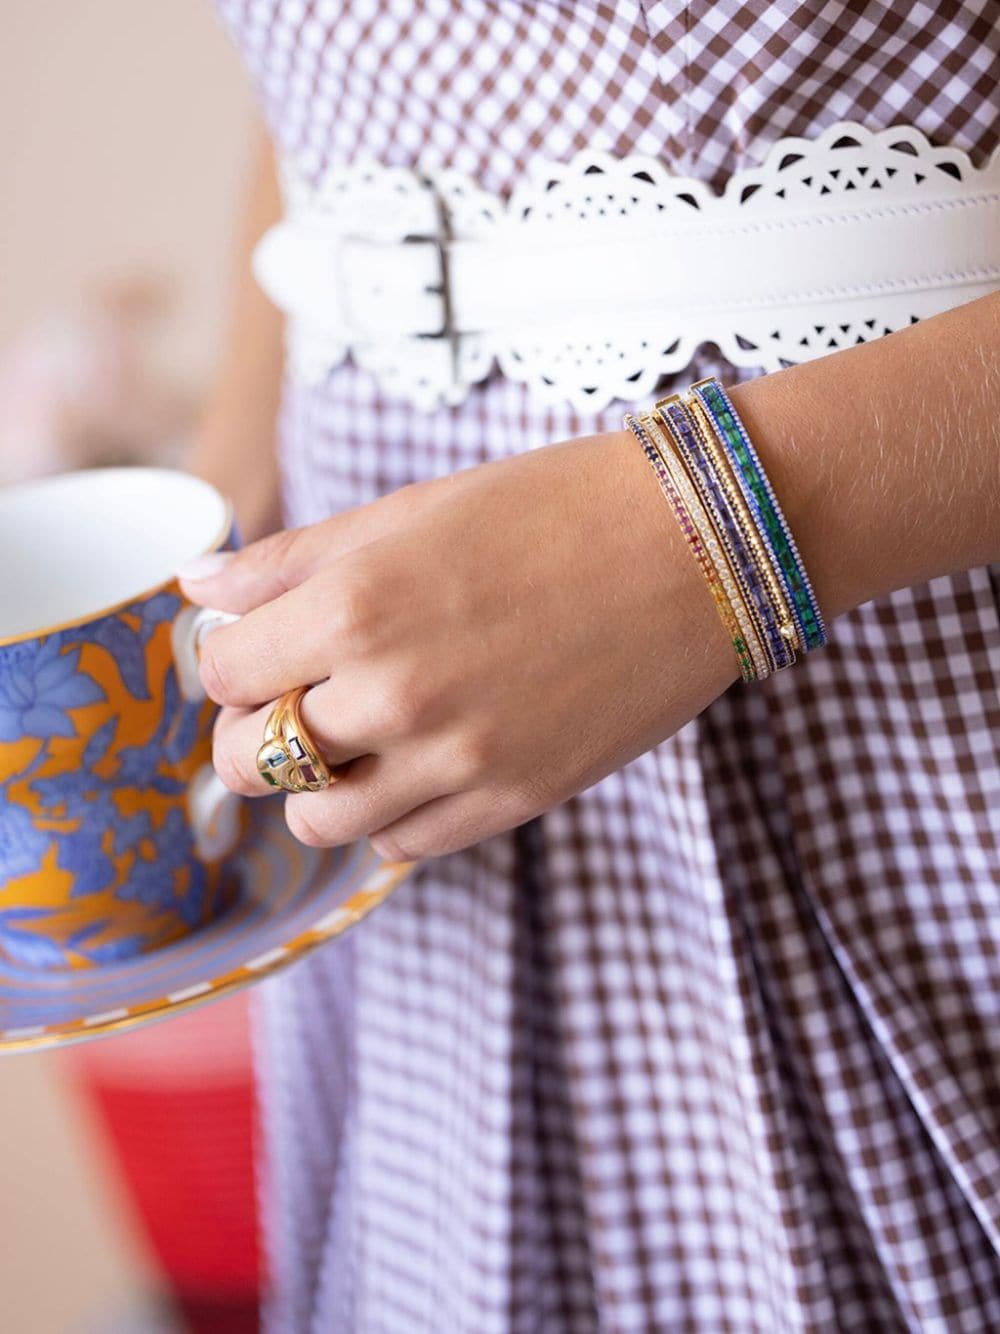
column 190, row 628
column 213, row 809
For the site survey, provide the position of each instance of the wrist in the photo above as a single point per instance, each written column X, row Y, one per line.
column 884, row 457
column 781, row 420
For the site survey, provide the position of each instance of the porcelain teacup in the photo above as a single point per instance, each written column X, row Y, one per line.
column 113, row 825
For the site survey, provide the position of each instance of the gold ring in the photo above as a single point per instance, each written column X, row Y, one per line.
column 288, row 759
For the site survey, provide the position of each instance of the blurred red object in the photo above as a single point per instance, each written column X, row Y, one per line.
column 177, row 1103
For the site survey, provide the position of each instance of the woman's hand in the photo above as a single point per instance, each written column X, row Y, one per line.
column 484, row 646
column 481, row 647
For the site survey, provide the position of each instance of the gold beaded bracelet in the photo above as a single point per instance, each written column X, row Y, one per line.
column 739, row 508
column 677, row 422
column 703, row 524
column 711, row 475
column 695, row 545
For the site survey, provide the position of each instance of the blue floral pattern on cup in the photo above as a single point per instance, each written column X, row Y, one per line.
column 97, row 800
column 38, row 685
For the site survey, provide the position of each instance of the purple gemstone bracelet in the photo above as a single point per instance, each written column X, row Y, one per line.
column 684, row 433
column 720, row 495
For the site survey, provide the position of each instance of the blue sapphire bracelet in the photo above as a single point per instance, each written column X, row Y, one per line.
column 764, row 507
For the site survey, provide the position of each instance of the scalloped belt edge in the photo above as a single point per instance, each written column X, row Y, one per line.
column 596, row 277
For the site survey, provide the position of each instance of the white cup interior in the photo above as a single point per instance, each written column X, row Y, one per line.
column 78, row 544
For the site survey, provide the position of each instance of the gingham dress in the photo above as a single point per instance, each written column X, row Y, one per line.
column 716, row 1045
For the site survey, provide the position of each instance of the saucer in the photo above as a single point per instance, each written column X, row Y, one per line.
column 292, row 898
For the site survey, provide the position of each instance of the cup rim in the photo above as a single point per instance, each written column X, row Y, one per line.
column 161, row 585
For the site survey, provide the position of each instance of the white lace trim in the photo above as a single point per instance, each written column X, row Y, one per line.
column 803, row 192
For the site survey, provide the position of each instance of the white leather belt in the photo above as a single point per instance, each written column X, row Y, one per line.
column 598, row 276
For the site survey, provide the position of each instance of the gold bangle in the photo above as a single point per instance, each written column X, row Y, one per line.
column 736, row 615
column 694, row 543
column 666, row 411
column 737, row 502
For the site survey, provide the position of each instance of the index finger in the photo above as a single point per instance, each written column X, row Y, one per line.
column 272, row 648
column 238, row 581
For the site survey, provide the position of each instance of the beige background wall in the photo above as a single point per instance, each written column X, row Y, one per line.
column 122, row 138
column 123, row 130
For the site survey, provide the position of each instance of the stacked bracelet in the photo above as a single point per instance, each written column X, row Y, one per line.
column 712, row 477
column 692, row 443
column 723, row 599
column 760, row 497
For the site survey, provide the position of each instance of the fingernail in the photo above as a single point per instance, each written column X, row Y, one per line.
column 204, row 567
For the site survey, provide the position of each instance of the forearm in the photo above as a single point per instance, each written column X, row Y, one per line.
column 886, row 457
column 234, row 444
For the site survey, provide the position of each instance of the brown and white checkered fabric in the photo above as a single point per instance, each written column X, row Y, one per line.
column 716, row 1045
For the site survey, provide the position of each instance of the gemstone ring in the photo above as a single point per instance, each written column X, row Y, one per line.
column 288, row 759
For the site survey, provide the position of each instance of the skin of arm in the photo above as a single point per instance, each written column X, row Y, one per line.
column 233, row 447
column 887, row 455
column 485, row 645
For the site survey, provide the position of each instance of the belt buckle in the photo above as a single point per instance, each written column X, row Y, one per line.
column 440, row 239
column 442, row 287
